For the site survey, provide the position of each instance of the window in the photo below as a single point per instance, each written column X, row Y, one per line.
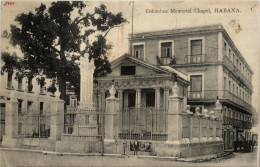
column 20, row 102
column 229, row 86
column 131, row 99
column 127, row 70
column 196, row 86
column 225, row 48
column 20, row 83
column 166, row 50
column 30, row 86
column 139, row 51
column 196, row 47
column 237, row 63
column 234, row 88
column 41, row 108
column 9, row 80
column 225, row 82
column 237, row 91
column 229, row 54
column 234, row 59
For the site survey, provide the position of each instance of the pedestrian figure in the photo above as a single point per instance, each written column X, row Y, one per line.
column 124, row 146
column 136, row 147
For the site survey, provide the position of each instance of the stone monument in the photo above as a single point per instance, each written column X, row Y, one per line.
column 85, row 122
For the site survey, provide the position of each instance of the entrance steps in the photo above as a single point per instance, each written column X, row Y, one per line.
column 141, row 153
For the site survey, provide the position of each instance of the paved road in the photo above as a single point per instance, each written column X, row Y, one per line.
column 14, row 158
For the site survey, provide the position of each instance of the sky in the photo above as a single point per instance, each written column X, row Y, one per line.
column 246, row 40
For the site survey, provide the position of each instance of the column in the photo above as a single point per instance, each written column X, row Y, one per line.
column 86, row 81
column 174, row 118
column 111, row 125
column 120, row 115
column 57, row 118
column 166, row 106
column 166, row 98
column 157, row 98
column 137, row 106
column 103, row 100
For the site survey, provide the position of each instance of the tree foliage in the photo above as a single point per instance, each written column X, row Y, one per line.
column 51, row 39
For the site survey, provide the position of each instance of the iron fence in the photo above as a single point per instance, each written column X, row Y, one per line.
column 143, row 124
column 31, row 125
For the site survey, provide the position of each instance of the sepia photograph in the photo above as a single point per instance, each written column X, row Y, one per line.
column 130, row 83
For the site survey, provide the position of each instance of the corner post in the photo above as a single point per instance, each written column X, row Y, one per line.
column 111, row 125
column 174, row 117
column 57, row 118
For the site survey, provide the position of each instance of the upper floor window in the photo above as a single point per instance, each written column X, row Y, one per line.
column 9, row 80
column 225, row 48
column 139, row 51
column 225, row 82
column 196, row 86
column 20, row 102
column 196, row 47
column 41, row 108
column 166, row 50
column 230, row 54
column 128, row 70
column 20, row 83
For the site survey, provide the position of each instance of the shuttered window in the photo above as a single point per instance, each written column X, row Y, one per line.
column 196, row 47
column 196, row 83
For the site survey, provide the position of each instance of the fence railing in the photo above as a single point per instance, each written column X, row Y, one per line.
column 237, row 123
column 200, row 58
column 34, row 125
column 143, row 124
column 222, row 94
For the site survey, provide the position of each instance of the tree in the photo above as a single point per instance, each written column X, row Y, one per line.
column 51, row 39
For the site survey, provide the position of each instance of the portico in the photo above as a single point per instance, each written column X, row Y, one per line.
column 143, row 99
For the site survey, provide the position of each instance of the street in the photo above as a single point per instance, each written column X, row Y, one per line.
column 15, row 158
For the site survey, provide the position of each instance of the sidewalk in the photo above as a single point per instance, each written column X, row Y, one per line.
column 196, row 159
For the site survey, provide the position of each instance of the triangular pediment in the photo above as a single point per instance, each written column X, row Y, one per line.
column 142, row 67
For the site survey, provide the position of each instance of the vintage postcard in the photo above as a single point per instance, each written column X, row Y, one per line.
column 129, row 83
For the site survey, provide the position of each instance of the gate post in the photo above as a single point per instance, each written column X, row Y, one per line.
column 111, row 125
column 11, row 122
column 57, row 118
column 174, row 117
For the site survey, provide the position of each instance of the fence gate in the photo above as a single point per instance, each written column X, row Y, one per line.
column 143, row 124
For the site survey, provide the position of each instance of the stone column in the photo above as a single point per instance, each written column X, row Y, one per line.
column 120, row 96
column 11, row 122
column 57, row 118
column 137, row 106
column 174, row 117
column 157, row 98
column 111, row 125
column 86, row 82
column 120, row 114
column 166, row 98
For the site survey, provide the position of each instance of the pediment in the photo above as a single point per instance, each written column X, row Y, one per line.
column 142, row 67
